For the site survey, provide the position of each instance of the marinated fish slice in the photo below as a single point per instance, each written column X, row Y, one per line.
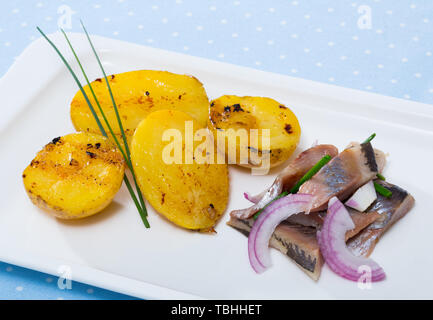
column 297, row 242
column 380, row 159
column 390, row 210
column 288, row 178
column 341, row 177
column 360, row 219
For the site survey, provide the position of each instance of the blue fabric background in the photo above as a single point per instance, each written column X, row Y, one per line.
column 317, row 39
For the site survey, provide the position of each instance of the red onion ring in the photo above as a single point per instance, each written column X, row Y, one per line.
column 268, row 220
column 333, row 247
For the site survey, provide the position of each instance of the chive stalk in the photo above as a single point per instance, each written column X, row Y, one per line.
column 306, row 177
column 311, row 173
column 119, row 121
column 381, row 177
column 369, row 138
column 382, row 190
column 143, row 212
column 283, row 194
column 140, row 206
column 94, row 96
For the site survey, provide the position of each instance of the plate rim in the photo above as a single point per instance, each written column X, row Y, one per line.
column 12, row 78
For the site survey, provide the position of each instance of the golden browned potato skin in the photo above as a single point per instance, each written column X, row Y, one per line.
column 75, row 176
column 137, row 94
column 193, row 196
column 247, row 113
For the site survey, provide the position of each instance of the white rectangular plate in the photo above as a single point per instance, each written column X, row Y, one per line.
column 113, row 250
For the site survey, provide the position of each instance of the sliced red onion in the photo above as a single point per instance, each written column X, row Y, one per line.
column 363, row 197
column 268, row 220
column 333, row 247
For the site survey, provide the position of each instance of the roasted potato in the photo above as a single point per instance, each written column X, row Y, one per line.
column 75, row 176
column 233, row 112
column 138, row 93
column 193, row 196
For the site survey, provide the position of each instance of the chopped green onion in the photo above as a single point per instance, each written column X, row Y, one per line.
column 282, row 194
column 382, row 190
column 311, row 173
column 369, row 138
column 379, row 176
column 141, row 208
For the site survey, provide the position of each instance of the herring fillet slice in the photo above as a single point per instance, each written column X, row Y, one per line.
column 344, row 174
column 287, row 178
column 298, row 242
column 390, row 210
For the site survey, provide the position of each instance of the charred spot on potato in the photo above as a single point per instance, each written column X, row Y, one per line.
column 227, row 109
column 34, row 163
column 99, row 80
column 237, row 108
column 147, row 93
column 89, row 145
column 288, row 128
column 73, row 162
column 162, row 198
column 112, row 77
column 180, row 96
column 98, row 145
column 211, row 205
column 282, row 106
column 24, row 176
column 91, row 154
column 212, row 104
column 55, row 140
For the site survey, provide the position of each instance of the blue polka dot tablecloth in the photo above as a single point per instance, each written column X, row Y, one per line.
column 382, row 46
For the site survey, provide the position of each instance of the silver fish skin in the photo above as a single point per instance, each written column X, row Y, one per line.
column 287, row 178
column 342, row 176
column 390, row 210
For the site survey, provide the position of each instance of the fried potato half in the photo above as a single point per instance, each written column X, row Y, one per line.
column 137, row 94
column 193, row 196
column 75, row 176
column 234, row 112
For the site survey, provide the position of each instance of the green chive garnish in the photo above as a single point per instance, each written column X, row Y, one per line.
column 119, row 121
column 311, row 173
column 379, row 176
column 382, row 190
column 140, row 206
column 143, row 207
column 369, row 138
column 306, row 177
